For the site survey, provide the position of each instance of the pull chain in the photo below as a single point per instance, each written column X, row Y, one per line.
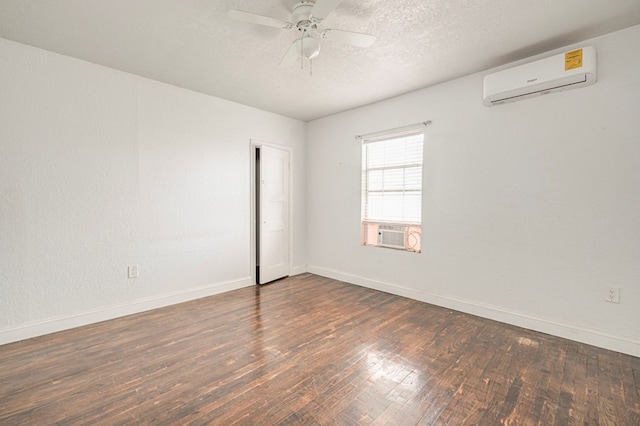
column 302, row 50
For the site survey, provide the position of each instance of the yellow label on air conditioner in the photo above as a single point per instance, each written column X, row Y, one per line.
column 573, row 59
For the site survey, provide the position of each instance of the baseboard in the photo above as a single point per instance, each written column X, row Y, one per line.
column 53, row 325
column 571, row 332
column 299, row 269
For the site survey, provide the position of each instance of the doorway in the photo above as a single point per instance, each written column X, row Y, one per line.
column 271, row 212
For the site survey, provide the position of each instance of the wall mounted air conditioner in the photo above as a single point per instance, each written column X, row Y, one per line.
column 569, row 70
column 392, row 236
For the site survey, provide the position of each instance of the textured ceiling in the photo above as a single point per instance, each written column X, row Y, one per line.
column 193, row 44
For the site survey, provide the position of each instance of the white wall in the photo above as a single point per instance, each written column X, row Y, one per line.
column 101, row 169
column 529, row 210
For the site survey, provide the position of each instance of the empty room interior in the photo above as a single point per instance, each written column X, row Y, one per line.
column 331, row 212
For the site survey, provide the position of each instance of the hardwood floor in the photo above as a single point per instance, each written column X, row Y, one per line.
column 315, row 351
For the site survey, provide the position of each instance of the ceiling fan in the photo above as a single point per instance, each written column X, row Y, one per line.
column 306, row 16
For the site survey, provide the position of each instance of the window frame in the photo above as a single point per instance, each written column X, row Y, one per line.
column 371, row 225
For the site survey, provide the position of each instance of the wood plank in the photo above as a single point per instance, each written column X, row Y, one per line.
column 311, row 350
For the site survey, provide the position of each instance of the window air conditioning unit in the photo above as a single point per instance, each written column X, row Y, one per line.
column 568, row 70
column 392, row 236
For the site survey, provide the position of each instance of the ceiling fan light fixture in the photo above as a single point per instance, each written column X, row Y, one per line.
column 308, row 47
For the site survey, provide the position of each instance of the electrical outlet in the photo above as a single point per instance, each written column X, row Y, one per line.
column 132, row 271
column 612, row 295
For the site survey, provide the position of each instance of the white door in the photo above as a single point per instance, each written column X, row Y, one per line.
column 274, row 215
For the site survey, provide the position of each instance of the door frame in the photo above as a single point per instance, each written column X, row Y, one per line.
column 253, row 145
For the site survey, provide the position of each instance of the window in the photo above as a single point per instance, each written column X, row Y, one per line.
column 392, row 190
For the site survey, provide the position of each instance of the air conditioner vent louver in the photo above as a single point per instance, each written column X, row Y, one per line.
column 392, row 236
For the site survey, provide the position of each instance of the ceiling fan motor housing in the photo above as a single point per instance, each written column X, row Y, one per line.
column 301, row 15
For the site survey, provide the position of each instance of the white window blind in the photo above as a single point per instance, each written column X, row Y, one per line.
column 392, row 178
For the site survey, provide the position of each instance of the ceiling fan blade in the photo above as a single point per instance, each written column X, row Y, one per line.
column 349, row 37
column 252, row 18
column 323, row 8
column 290, row 57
